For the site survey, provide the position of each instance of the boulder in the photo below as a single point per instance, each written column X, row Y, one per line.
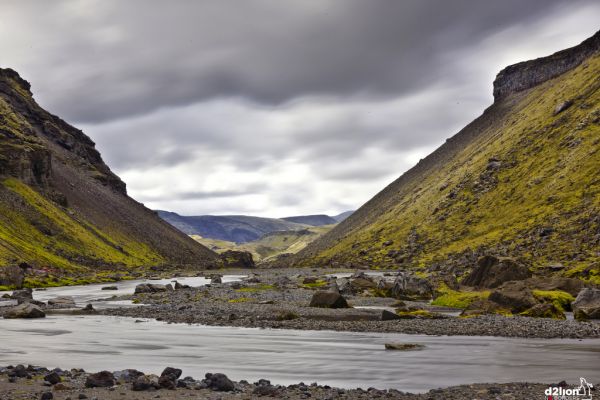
column 404, row 346
column 218, row 382
column 587, row 304
column 410, row 287
column 389, row 316
column 236, row 259
column 570, row 285
column 100, row 379
column 491, row 272
column 360, row 284
column 325, row 299
column 152, row 288
column 484, row 307
column 62, row 302
column 127, row 375
column 25, row 310
column 52, row 378
column 544, row 311
column 23, row 295
column 110, row 288
column 515, row 296
column 562, row 106
column 168, row 378
column 143, row 383
column 12, row 276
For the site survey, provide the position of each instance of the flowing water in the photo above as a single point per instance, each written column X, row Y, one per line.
column 342, row 359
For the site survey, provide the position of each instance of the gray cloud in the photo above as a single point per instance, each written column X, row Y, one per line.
column 273, row 107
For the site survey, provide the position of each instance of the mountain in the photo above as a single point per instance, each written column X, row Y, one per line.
column 522, row 180
column 271, row 245
column 312, row 220
column 340, row 217
column 231, row 228
column 62, row 208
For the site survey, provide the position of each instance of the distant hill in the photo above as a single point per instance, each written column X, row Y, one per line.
column 61, row 207
column 522, row 180
column 312, row 220
column 340, row 217
column 230, row 228
column 270, row 245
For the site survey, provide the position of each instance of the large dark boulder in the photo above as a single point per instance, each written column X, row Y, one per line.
column 100, row 379
column 168, row 378
column 326, row 299
column 22, row 296
column 411, row 287
column 25, row 310
column 218, row 382
column 515, row 296
column 236, row 259
column 491, row 272
column 587, row 304
column 12, row 276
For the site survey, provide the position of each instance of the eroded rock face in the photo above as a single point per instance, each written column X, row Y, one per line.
column 491, row 272
column 325, row 299
column 515, row 296
column 25, row 310
column 236, row 259
column 587, row 304
column 411, row 287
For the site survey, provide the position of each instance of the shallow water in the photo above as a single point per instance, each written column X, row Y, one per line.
column 342, row 359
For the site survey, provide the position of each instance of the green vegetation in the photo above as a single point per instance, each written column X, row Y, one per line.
column 317, row 284
column 456, row 299
column 257, row 288
column 561, row 300
column 546, row 175
column 416, row 313
column 241, row 300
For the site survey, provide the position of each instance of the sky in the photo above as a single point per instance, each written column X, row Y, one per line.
column 269, row 107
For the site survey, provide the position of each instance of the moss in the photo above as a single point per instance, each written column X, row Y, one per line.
column 457, row 299
column 257, row 288
column 416, row 313
column 240, row 300
column 561, row 300
column 317, row 284
column 287, row 316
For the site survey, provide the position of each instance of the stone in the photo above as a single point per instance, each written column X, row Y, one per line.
column 62, row 302
column 23, row 295
column 152, row 288
column 410, row 287
column 570, row 285
column 483, row 307
column 236, row 259
column 562, row 106
column 389, row 316
column 12, row 276
column 127, row 375
column 309, row 280
column 403, row 346
column 52, row 378
column 515, row 296
column 218, row 382
column 142, row 383
column 25, row 310
column 100, row 379
column 587, row 304
column 491, row 272
column 326, row 299
column 47, row 396
column 110, row 288
column 544, row 311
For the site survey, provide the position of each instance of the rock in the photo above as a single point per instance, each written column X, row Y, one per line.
column 168, row 378
column 47, row 396
column 389, row 316
column 52, row 378
column 404, row 346
column 110, row 288
column 562, row 106
column 89, row 309
column 127, row 375
column 216, row 279
column 236, row 259
column 327, row 299
column 309, row 280
column 179, row 286
column 570, row 285
column 515, row 296
column 170, row 371
column 360, row 284
column 100, row 379
column 218, row 382
column 483, row 307
column 25, row 310
column 23, row 295
column 12, row 276
column 152, row 288
column 62, row 302
column 491, row 272
column 587, row 304
column 411, row 287
column 544, row 311
column 142, row 383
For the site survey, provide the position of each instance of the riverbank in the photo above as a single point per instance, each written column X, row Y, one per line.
column 26, row 383
column 279, row 299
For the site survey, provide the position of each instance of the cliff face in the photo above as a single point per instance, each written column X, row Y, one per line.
column 521, row 180
column 528, row 74
column 62, row 208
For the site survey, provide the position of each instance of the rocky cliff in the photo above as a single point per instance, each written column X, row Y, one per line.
column 63, row 209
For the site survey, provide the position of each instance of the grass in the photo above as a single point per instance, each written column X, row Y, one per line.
column 316, row 285
column 457, row 299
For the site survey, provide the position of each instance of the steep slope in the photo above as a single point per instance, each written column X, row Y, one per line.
column 312, row 220
column 271, row 245
column 521, row 180
column 231, row 228
column 340, row 217
column 62, row 209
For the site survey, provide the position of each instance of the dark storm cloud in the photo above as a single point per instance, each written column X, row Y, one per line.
column 274, row 107
column 135, row 56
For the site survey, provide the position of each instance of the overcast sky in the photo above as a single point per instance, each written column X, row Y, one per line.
column 270, row 107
